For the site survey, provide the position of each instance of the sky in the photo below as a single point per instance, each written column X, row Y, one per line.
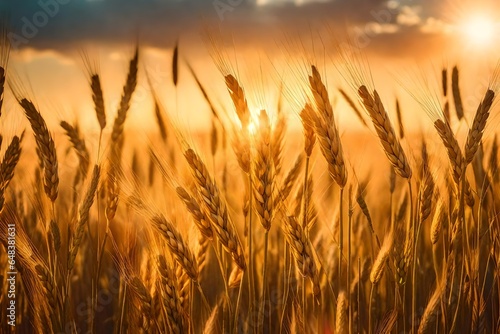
column 267, row 40
column 62, row 24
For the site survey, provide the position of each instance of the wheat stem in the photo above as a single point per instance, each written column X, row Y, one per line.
column 412, row 227
column 349, row 230
column 264, row 281
column 370, row 309
column 236, row 312
column 251, row 283
column 341, row 236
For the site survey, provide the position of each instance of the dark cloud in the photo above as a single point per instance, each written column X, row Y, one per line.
column 64, row 24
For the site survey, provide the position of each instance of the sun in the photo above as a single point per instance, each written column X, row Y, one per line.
column 480, row 30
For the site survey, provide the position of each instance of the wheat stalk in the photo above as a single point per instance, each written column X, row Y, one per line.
column 385, row 132
column 4, row 61
column 430, row 313
column 437, row 222
column 145, row 297
column 353, row 106
column 452, row 148
column 98, row 98
column 184, row 284
column 475, row 134
column 8, row 165
column 455, row 89
column 96, row 88
column 300, row 198
column 50, row 292
column 326, row 130
column 202, row 252
column 79, row 145
column 302, row 252
column 493, row 161
column 277, row 142
column 175, row 64
column 444, row 81
column 194, row 209
column 170, row 297
column 2, row 86
column 263, row 169
column 55, row 233
column 291, row 178
column 308, row 117
column 426, row 192
column 241, row 148
column 239, row 100
column 400, row 120
column 47, row 149
column 215, row 208
column 128, row 90
column 83, row 216
column 342, row 314
column 178, row 247
column 380, row 261
column 235, row 277
column 112, row 192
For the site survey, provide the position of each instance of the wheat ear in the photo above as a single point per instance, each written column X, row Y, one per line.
column 98, row 98
column 194, row 209
column 455, row 89
column 425, row 193
column 8, row 165
column 79, row 145
column 175, row 64
column 239, row 100
column 380, row 261
column 145, row 297
column 277, row 142
column 437, row 222
column 215, row 208
column 307, row 117
column 452, row 148
column 4, row 61
column 385, row 132
column 128, row 90
column 326, row 130
column 170, row 296
column 341, row 321
column 47, row 149
column 263, row 170
column 444, row 81
column 475, row 134
column 178, row 247
column 302, row 252
column 83, row 216
column 291, row 178
column 241, row 148
column 493, row 161
column 431, row 311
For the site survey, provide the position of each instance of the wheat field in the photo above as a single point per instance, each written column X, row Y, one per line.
column 252, row 226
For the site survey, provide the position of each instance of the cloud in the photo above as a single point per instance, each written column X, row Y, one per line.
column 282, row 2
column 30, row 55
column 62, row 23
column 433, row 25
column 260, row 23
column 409, row 16
column 385, row 28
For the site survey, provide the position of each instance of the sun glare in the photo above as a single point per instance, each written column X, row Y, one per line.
column 253, row 126
column 480, row 30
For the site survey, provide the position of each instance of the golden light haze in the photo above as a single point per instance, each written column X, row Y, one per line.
column 400, row 50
